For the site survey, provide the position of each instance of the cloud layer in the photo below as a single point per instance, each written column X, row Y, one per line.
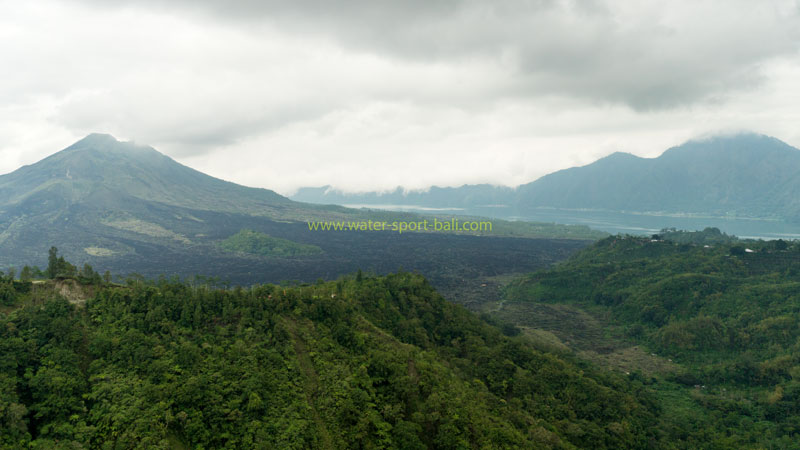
column 368, row 94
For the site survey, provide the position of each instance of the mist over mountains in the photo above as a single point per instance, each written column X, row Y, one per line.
column 745, row 175
column 465, row 196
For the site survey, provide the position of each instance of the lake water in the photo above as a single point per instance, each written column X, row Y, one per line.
column 616, row 222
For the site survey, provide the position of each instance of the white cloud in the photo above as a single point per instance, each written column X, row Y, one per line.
column 374, row 94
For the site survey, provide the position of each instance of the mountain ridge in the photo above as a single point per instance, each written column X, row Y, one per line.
column 742, row 175
column 747, row 175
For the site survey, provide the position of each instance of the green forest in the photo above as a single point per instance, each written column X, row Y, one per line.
column 385, row 362
column 261, row 244
column 723, row 311
column 361, row 362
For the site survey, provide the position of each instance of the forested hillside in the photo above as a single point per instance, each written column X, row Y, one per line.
column 362, row 362
column 722, row 313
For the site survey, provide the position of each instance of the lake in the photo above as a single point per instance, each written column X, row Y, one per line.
column 619, row 222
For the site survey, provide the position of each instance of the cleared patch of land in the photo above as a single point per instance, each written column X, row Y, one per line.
column 146, row 228
column 98, row 251
column 559, row 327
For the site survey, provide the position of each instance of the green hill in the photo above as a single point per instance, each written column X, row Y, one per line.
column 363, row 362
column 720, row 318
column 255, row 243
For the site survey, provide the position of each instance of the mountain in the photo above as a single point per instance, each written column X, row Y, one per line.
column 746, row 175
column 128, row 208
column 435, row 197
column 103, row 197
column 104, row 172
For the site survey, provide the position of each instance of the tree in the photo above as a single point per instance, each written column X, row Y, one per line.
column 66, row 269
column 88, row 275
column 7, row 293
column 26, row 274
column 52, row 263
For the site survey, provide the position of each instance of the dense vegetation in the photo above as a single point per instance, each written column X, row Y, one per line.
column 725, row 314
column 363, row 362
column 261, row 244
column 708, row 236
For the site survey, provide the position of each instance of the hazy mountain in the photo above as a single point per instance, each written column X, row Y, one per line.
column 128, row 208
column 103, row 198
column 746, row 175
column 105, row 172
column 436, row 197
column 743, row 175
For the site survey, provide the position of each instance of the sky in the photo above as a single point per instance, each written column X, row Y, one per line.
column 374, row 94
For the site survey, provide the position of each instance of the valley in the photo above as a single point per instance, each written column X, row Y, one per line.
column 708, row 326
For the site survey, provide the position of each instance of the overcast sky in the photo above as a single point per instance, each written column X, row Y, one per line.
column 371, row 94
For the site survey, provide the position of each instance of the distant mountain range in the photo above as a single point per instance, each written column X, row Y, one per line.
column 745, row 175
column 128, row 208
column 466, row 196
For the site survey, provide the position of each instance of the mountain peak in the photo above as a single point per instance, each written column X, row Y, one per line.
column 104, row 149
column 727, row 147
column 95, row 140
column 616, row 156
column 99, row 137
column 99, row 164
column 742, row 136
